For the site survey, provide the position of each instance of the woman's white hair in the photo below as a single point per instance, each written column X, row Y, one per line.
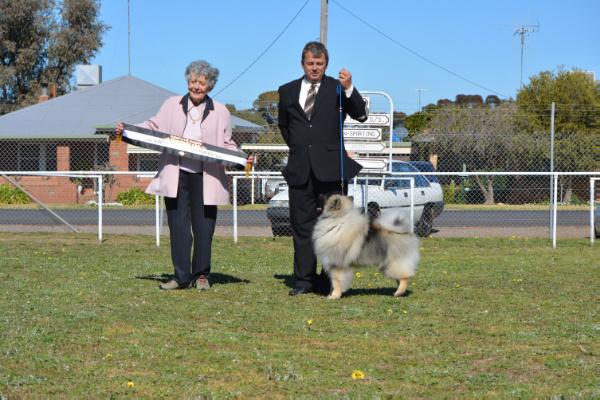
column 202, row 68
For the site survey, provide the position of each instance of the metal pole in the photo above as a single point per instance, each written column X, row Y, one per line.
column 552, row 187
column 128, row 39
column 100, row 178
column 157, row 218
column 592, row 195
column 412, row 204
column 554, row 211
column 324, row 15
column 522, row 46
column 235, row 227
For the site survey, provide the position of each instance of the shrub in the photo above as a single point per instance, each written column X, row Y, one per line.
column 12, row 195
column 135, row 197
column 450, row 193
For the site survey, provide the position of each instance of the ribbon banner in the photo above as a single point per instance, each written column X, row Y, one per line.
column 181, row 146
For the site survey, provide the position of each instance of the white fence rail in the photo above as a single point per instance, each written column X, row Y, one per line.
column 250, row 199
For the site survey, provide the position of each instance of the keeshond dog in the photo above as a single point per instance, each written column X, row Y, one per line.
column 345, row 238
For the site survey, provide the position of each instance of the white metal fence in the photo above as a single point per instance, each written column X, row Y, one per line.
column 538, row 207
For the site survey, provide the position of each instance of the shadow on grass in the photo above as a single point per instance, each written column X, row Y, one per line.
column 215, row 278
column 376, row 291
column 289, row 281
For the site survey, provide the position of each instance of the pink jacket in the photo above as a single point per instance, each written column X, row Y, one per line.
column 216, row 130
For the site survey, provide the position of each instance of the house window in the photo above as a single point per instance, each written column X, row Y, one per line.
column 29, row 157
column 36, row 157
column 143, row 162
column 88, row 156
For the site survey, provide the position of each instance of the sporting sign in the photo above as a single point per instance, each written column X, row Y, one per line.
column 362, row 133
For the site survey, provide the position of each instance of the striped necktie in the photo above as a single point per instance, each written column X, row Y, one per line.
column 310, row 100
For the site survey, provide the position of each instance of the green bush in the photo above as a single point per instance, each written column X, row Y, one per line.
column 135, row 197
column 450, row 193
column 12, row 195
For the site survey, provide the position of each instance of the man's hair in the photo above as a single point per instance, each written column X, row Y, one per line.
column 316, row 49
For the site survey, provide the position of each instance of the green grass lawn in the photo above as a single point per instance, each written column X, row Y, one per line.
column 485, row 318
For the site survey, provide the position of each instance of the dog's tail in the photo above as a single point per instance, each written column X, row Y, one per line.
column 393, row 220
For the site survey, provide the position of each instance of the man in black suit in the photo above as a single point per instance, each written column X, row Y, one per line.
column 309, row 121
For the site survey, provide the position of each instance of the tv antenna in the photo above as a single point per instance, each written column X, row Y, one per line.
column 420, row 90
column 523, row 31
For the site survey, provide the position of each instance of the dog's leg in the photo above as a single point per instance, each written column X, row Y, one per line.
column 401, row 287
column 341, row 279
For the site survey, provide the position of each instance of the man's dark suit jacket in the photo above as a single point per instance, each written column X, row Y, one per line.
column 315, row 144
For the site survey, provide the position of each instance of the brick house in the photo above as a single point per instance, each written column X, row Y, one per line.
column 70, row 133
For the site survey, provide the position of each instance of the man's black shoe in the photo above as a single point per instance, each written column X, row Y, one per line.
column 299, row 290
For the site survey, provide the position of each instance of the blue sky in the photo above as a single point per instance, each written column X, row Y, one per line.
column 443, row 47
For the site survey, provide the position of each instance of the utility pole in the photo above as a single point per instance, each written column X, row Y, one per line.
column 324, row 15
column 420, row 90
column 523, row 31
column 128, row 39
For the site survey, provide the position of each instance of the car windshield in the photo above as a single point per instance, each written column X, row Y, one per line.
column 401, row 181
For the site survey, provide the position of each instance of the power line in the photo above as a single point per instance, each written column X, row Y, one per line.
column 265, row 50
column 415, row 53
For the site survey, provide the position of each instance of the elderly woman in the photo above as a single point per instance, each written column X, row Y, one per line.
column 192, row 189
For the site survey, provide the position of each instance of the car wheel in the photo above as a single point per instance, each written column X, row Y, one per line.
column 425, row 225
column 281, row 230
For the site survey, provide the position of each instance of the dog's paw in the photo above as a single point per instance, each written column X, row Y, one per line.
column 334, row 296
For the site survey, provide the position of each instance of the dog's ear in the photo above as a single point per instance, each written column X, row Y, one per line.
column 351, row 198
column 336, row 203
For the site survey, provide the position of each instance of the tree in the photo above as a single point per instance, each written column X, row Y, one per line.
column 267, row 101
column 41, row 41
column 577, row 119
column 417, row 123
column 479, row 138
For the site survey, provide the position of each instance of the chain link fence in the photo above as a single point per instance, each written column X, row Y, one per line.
column 482, row 182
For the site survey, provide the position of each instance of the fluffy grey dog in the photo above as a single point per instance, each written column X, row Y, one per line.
column 344, row 238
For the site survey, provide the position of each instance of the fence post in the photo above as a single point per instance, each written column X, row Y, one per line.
column 592, row 200
column 553, row 188
column 235, row 235
column 554, row 207
column 157, row 218
column 412, row 203
column 100, row 199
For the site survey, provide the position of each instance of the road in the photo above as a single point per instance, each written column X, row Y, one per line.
column 448, row 218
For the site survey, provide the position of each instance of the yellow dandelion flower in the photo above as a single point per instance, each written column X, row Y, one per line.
column 108, row 357
column 390, row 311
column 130, row 384
column 404, row 311
column 456, row 285
column 358, row 274
column 309, row 322
column 357, row 374
column 375, row 273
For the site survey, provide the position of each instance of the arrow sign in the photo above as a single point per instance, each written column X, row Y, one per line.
column 365, row 147
column 379, row 119
column 363, row 133
column 372, row 164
